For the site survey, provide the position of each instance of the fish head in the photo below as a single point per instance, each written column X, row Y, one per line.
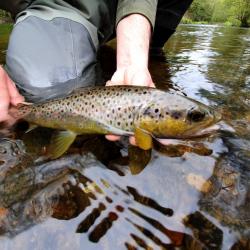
column 178, row 117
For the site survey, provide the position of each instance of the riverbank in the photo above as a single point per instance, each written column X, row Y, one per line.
column 186, row 20
column 5, row 20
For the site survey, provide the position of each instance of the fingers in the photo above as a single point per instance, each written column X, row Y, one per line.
column 117, row 138
column 4, row 96
column 113, row 137
column 8, row 95
column 132, row 140
column 109, row 83
column 152, row 84
column 142, row 79
column 165, row 142
column 131, row 76
column 117, row 78
column 15, row 97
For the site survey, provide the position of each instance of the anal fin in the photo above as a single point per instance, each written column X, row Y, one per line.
column 143, row 140
column 60, row 143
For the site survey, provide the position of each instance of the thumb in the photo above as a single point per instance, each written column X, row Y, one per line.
column 15, row 97
column 118, row 77
column 4, row 98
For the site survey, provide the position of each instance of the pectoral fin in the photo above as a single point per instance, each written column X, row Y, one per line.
column 60, row 142
column 143, row 140
column 31, row 127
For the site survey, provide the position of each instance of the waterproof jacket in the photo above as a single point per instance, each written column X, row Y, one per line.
column 121, row 7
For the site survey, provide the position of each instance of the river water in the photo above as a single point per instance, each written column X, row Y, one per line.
column 186, row 199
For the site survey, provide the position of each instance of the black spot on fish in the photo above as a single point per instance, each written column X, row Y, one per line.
column 156, row 110
column 176, row 115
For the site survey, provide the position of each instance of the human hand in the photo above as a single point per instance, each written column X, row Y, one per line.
column 9, row 95
column 133, row 39
column 130, row 76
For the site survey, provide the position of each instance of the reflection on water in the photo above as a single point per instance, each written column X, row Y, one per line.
column 108, row 196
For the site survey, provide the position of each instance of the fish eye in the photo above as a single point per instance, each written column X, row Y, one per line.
column 195, row 115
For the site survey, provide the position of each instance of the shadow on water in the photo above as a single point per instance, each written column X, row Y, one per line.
column 103, row 195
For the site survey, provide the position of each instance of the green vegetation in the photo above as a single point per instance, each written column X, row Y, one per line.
column 229, row 12
column 5, row 17
column 5, row 30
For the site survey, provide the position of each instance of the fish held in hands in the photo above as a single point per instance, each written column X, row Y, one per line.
column 143, row 112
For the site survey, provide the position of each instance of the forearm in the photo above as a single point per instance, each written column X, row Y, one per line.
column 133, row 39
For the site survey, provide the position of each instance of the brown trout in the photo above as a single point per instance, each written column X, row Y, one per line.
column 143, row 112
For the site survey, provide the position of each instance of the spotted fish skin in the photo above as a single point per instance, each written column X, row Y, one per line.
column 121, row 110
column 113, row 109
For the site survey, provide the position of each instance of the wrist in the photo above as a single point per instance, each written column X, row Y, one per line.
column 133, row 39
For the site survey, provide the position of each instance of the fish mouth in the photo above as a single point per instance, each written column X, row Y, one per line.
column 207, row 131
column 221, row 126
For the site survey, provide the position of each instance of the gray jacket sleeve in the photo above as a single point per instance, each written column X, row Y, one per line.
column 146, row 8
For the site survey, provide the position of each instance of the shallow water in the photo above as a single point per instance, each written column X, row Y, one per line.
column 190, row 201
